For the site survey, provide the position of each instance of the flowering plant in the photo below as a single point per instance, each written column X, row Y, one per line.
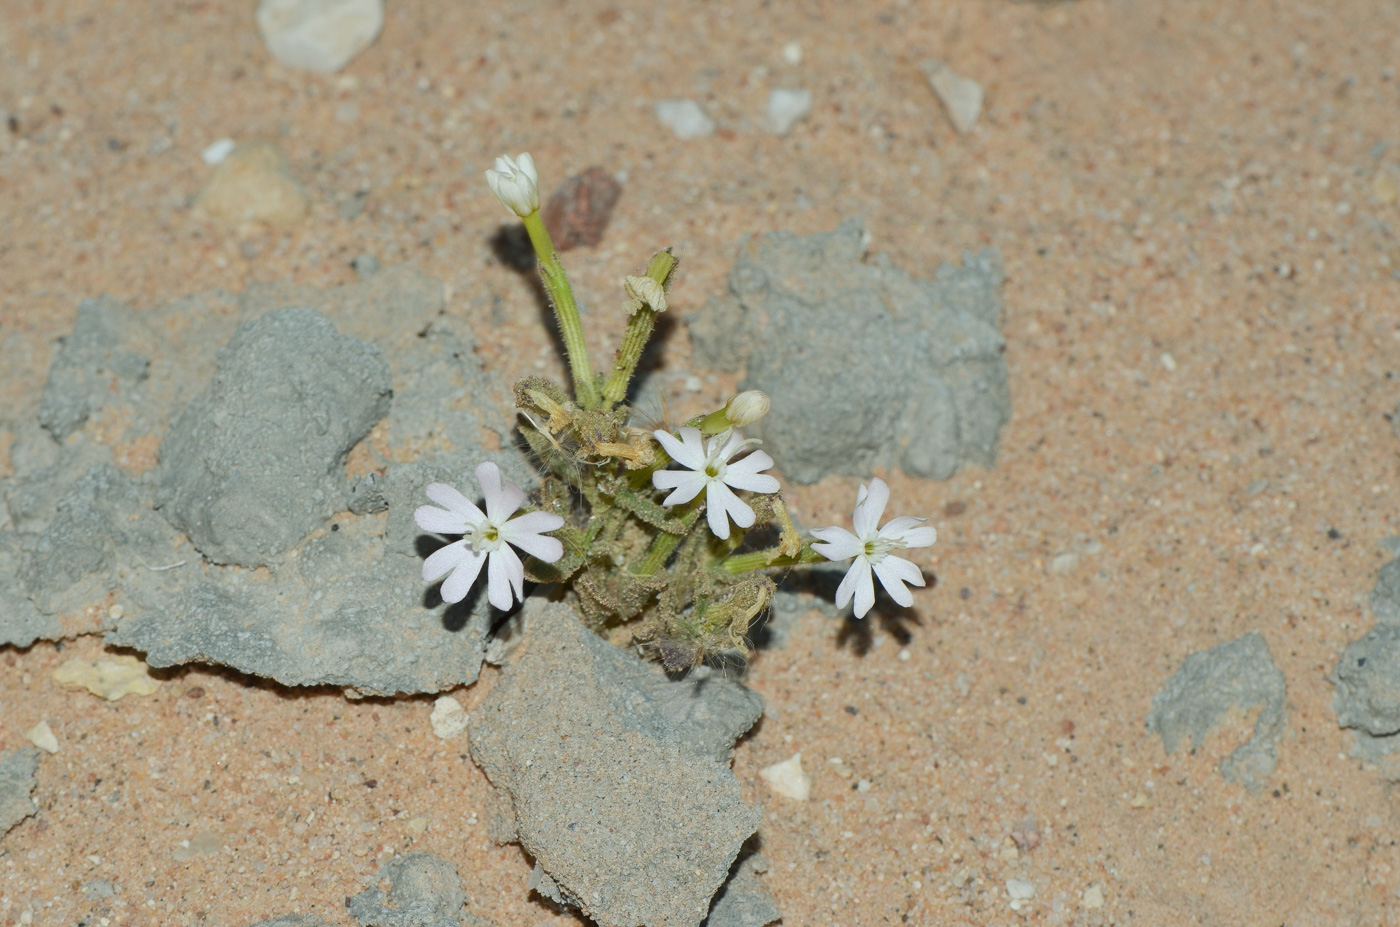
column 599, row 523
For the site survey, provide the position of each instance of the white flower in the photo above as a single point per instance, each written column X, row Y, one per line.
column 516, row 184
column 486, row 538
column 711, row 472
column 872, row 548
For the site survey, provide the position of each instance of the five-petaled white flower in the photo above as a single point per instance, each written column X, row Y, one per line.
column 872, row 548
column 486, row 537
column 710, row 471
column 516, row 183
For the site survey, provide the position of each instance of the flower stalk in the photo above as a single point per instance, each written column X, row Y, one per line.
column 641, row 321
column 561, row 297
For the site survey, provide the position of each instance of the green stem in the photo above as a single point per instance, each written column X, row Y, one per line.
column 561, row 297
column 665, row 545
column 638, row 332
column 765, row 559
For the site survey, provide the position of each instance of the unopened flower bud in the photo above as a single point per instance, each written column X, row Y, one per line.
column 747, row 407
column 644, row 291
column 516, row 184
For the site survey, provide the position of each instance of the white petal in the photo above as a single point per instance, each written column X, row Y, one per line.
column 687, row 485
column 531, row 523
column 865, row 588
column 897, row 569
column 536, row 545
column 743, row 474
column 870, row 505
column 515, row 571
column 689, row 451
column 836, row 543
column 498, row 584
column 721, row 495
column 894, row 572
column 526, row 163
column 911, row 537
column 444, row 560
column 459, row 583
column 719, row 521
column 440, row 521
column 502, row 496
column 859, row 572
column 452, row 500
column 733, row 443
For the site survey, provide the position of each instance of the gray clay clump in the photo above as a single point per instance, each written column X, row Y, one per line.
column 17, row 768
column 618, row 777
column 425, row 891
column 89, row 364
column 257, row 460
column 1366, row 679
column 871, row 366
column 1237, row 674
column 252, row 470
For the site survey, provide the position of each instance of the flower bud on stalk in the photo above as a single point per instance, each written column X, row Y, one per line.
column 516, row 184
column 747, row 407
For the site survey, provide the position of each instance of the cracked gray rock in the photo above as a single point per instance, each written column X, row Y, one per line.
column 257, row 460
column 1241, row 674
column 618, row 777
column 342, row 601
column 802, row 312
column 17, row 769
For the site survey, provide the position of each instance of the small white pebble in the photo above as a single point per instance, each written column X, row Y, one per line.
column 1020, row 891
column 786, row 108
column 685, row 118
column 961, row 96
column 792, row 53
column 41, row 736
column 693, row 384
column 1168, row 361
column 1093, row 897
column 904, row 653
column 218, row 152
column 448, row 718
column 788, row 778
column 863, row 785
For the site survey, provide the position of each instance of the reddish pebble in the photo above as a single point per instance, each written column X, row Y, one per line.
column 579, row 211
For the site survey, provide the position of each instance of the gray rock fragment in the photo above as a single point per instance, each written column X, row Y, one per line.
column 1366, row 679
column 255, row 462
column 17, row 769
column 617, row 793
column 1385, row 597
column 295, row 920
column 426, row 892
column 89, row 368
column 98, row 888
column 802, row 309
column 102, row 531
column 743, row 901
column 348, row 608
column 1241, row 674
column 347, row 605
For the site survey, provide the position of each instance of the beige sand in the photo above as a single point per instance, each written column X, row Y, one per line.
column 1199, row 230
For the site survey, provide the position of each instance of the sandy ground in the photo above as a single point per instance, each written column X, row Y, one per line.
column 1196, row 207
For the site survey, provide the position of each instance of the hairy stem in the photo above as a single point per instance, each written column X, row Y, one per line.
column 561, row 297
column 765, row 559
column 638, row 332
column 665, row 544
